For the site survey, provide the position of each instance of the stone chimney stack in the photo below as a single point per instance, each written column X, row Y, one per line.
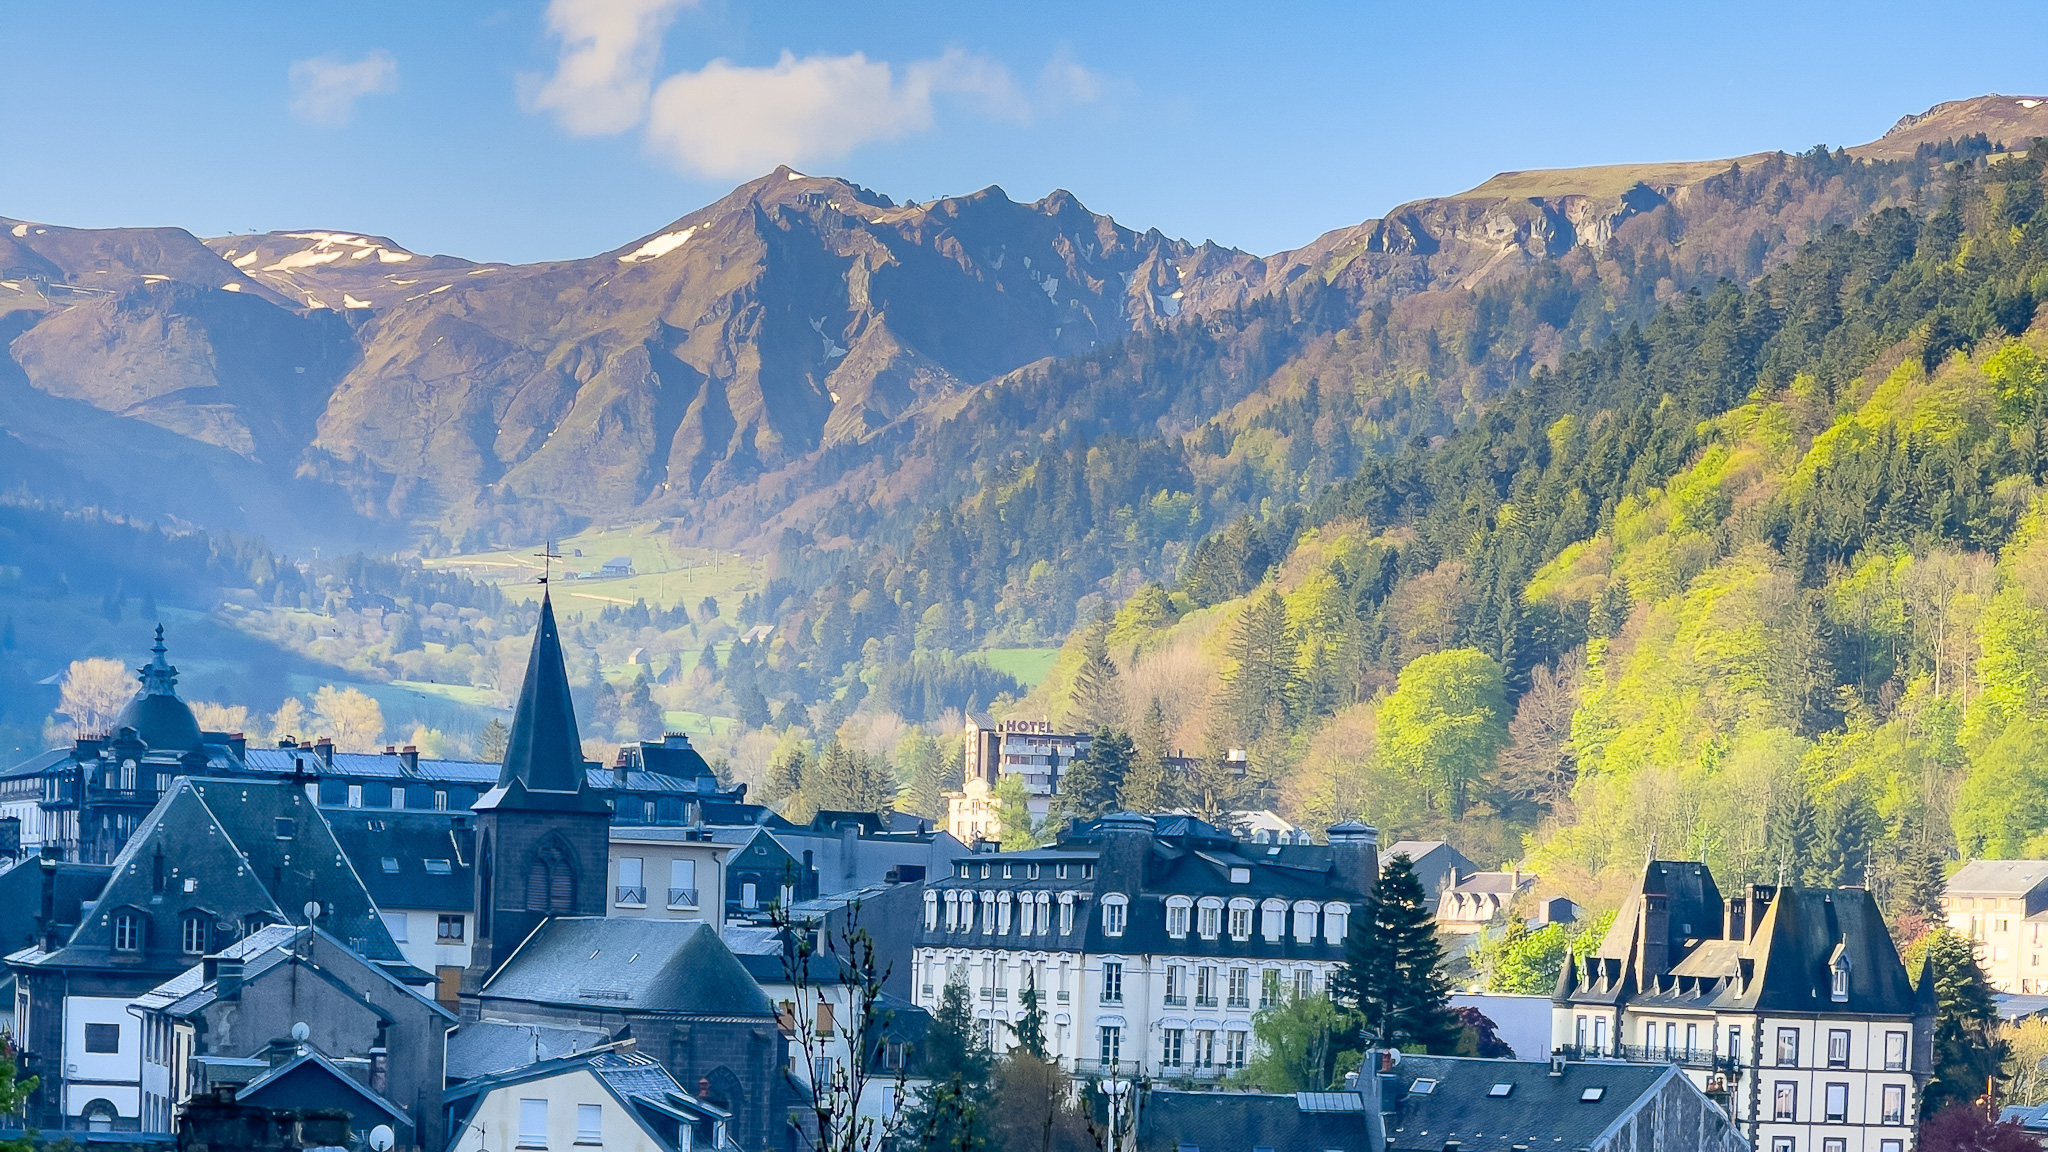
column 1355, row 857
column 1126, row 847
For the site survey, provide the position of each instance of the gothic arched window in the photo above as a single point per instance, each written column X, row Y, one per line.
column 551, row 881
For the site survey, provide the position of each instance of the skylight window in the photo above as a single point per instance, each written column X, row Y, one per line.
column 1592, row 1095
column 1422, row 1087
column 391, row 863
column 1500, row 1090
column 438, row 867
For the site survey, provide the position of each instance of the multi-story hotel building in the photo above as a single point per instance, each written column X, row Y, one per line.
column 2002, row 907
column 1150, row 941
column 1787, row 1005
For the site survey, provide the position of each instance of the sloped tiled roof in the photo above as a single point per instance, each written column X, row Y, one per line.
column 629, row 964
column 1539, row 1110
column 1246, row 1121
column 1999, row 877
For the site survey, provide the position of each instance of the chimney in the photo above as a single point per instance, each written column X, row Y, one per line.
column 1126, row 847
column 391, row 749
column 1653, row 939
column 409, row 757
column 47, row 920
column 324, row 749
column 1355, row 857
column 239, row 742
column 1733, row 924
column 379, row 1069
column 287, row 742
column 227, row 977
column 1759, row 899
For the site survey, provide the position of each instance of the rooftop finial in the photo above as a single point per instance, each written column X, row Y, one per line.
column 158, row 677
column 548, row 556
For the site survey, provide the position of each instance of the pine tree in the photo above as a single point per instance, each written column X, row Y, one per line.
column 1968, row 1051
column 1259, row 692
column 1843, row 829
column 1393, row 967
column 1146, row 787
column 950, row 1115
column 785, row 776
column 491, row 741
column 1088, row 789
column 1098, row 697
column 708, row 658
column 932, row 772
column 1788, row 842
column 1029, row 1026
column 850, row 780
column 406, row 635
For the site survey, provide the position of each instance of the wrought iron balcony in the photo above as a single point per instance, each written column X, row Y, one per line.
column 1652, row 1054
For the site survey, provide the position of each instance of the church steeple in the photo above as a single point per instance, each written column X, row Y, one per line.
column 544, row 766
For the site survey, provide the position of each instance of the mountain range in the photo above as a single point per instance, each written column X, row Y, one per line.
column 798, row 345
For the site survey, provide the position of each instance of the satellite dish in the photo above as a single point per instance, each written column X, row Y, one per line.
column 312, row 910
column 382, row 1138
column 300, row 1031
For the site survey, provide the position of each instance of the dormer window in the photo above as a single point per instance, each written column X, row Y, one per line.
column 1209, row 918
column 1838, row 974
column 1114, row 908
column 193, row 935
column 127, row 932
column 1177, row 917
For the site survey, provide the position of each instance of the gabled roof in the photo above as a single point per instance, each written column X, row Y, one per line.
column 642, row 1087
column 485, row 1048
column 264, row 951
column 544, row 766
column 629, row 964
column 243, row 848
column 1538, row 1110
column 275, row 1088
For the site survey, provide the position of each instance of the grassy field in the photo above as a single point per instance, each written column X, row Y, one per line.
column 1602, row 181
column 663, row 575
column 1028, row 665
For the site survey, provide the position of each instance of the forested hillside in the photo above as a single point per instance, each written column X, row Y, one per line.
column 1758, row 581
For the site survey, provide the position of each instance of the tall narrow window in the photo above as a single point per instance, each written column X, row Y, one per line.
column 1240, row 988
column 533, row 1123
column 1838, row 1047
column 551, row 881
column 590, row 1123
column 1169, row 1047
column 193, row 935
column 1894, row 1104
column 1895, row 1051
column 1112, row 982
column 1836, row 1102
column 127, row 932
column 1110, row 1045
column 1269, row 988
column 1788, row 1047
column 1785, row 1100
column 1113, row 909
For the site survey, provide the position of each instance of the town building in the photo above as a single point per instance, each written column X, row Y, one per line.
column 1433, row 862
column 1028, row 749
column 215, row 860
column 1436, row 1102
column 1471, row 901
column 615, row 1099
column 1788, row 1006
column 250, row 1014
column 2001, row 906
column 1150, row 941
column 418, row 867
column 668, row 873
column 674, row 987
column 1171, row 1120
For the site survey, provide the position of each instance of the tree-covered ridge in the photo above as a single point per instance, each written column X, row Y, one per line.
column 1021, row 507
column 1757, row 576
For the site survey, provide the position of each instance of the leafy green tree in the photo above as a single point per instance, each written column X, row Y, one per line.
column 1300, row 1043
column 405, row 635
column 1088, row 788
column 1392, row 972
column 952, row 1113
column 1013, row 814
column 1968, row 1050
column 14, row 1096
column 2004, row 802
column 1445, row 721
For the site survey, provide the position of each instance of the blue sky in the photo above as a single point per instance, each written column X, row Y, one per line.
column 524, row 131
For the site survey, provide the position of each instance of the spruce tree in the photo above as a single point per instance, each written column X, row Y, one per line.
column 638, row 709
column 1030, row 1024
column 850, row 780
column 1098, row 697
column 491, row 741
column 1146, row 787
column 1259, row 692
column 1393, row 967
column 1968, row 1051
column 1088, row 788
column 785, row 776
column 950, row 1115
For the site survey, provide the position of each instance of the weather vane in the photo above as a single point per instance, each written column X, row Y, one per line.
column 547, row 555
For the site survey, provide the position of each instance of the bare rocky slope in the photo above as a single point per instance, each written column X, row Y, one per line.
column 786, row 347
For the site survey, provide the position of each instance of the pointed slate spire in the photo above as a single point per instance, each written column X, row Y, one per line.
column 159, row 677
column 543, row 755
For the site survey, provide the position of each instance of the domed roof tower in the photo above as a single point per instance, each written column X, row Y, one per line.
column 161, row 721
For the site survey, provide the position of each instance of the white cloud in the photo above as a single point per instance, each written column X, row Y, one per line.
column 325, row 88
column 726, row 119
column 610, row 49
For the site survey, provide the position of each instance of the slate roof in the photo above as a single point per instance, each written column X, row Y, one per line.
column 392, row 849
column 543, row 753
column 629, row 964
column 1998, row 877
column 1249, row 1121
column 1691, row 898
column 190, row 991
column 247, row 848
column 1539, row 1110
column 21, row 897
column 485, row 1048
column 280, row 1088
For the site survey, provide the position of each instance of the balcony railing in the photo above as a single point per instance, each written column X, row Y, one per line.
column 631, row 895
column 1652, row 1054
column 682, row 897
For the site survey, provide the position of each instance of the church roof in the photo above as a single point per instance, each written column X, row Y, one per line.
column 629, row 964
column 543, row 768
